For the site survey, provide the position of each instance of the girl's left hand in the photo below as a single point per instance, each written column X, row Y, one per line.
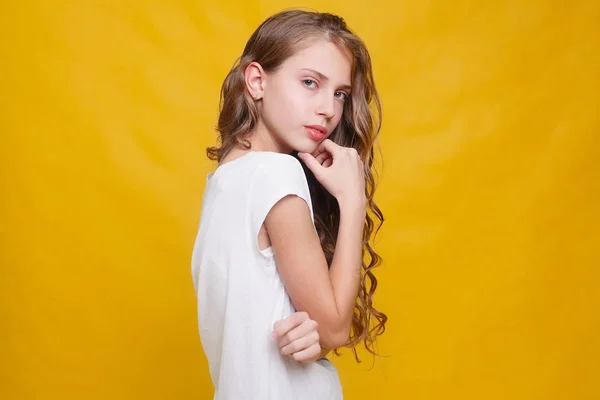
column 297, row 337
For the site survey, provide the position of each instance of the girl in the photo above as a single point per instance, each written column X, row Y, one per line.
column 288, row 213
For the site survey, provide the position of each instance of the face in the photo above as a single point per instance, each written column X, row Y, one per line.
column 301, row 103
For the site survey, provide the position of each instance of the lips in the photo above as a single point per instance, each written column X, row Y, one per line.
column 316, row 132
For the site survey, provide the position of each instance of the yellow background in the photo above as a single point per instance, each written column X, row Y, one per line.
column 491, row 189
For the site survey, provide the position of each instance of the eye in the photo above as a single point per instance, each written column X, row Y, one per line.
column 309, row 83
column 341, row 95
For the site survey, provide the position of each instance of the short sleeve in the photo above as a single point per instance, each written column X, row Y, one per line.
column 277, row 176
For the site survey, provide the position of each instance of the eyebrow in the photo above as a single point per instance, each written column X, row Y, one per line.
column 325, row 78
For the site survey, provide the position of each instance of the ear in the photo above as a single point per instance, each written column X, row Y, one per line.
column 254, row 77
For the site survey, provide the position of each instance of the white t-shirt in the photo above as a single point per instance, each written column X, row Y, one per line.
column 239, row 290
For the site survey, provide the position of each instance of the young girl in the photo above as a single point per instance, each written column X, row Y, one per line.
column 288, row 213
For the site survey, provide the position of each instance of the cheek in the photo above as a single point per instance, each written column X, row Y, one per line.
column 285, row 102
column 339, row 113
column 283, row 109
column 297, row 98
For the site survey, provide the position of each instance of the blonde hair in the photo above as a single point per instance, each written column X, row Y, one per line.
column 274, row 41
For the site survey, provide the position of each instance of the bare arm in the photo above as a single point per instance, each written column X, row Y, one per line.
column 327, row 295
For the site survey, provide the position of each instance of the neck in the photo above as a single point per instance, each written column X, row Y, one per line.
column 262, row 139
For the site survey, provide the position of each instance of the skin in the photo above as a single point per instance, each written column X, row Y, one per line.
column 310, row 88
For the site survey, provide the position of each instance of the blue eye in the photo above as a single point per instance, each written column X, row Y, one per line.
column 309, row 83
column 341, row 95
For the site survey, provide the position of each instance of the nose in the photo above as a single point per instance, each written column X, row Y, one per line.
column 326, row 107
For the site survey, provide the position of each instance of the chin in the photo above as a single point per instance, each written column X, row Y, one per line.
column 305, row 147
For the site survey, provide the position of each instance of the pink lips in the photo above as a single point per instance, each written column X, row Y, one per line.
column 316, row 132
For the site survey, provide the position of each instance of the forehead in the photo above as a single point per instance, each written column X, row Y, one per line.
column 324, row 57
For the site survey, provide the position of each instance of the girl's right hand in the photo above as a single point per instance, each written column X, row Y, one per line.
column 340, row 171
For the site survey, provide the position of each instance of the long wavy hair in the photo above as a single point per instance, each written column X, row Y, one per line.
column 275, row 40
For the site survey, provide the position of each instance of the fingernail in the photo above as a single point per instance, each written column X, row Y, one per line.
column 273, row 335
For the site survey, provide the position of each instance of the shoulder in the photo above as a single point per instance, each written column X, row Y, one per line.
column 271, row 158
column 275, row 166
column 278, row 175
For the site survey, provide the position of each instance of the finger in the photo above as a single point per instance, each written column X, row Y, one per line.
column 309, row 354
column 304, row 329
column 327, row 163
column 283, row 326
column 322, row 157
column 301, row 343
column 311, row 162
column 316, row 152
column 329, row 146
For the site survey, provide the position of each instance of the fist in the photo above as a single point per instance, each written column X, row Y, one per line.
column 297, row 337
